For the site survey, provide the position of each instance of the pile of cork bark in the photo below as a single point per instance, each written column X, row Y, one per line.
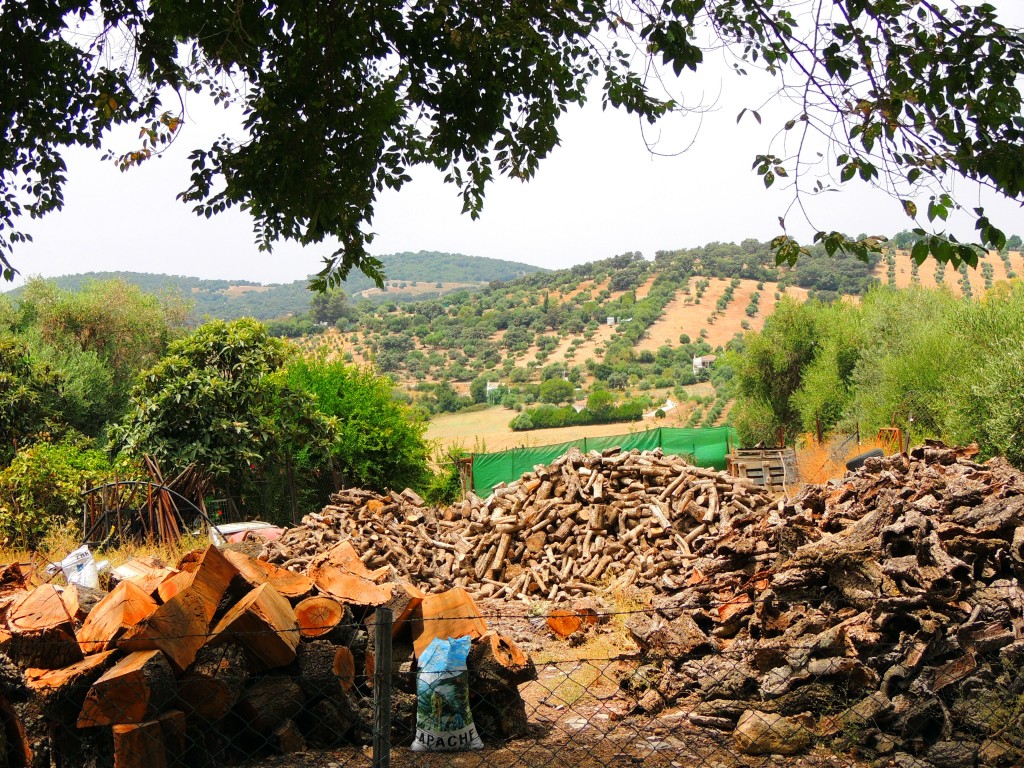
column 883, row 614
column 226, row 656
column 583, row 523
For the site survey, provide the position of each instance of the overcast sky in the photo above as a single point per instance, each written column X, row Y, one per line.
column 599, row 194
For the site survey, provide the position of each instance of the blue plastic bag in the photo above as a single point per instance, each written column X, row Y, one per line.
column 444, row 722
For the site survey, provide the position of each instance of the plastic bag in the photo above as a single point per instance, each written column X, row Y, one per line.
column 79, row 567
column 444, row 722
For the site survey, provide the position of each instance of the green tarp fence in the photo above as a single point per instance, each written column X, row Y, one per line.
column 707, row 448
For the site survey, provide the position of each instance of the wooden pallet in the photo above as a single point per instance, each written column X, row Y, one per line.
column 773, row 468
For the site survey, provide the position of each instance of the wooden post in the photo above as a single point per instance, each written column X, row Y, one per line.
column 382, row 690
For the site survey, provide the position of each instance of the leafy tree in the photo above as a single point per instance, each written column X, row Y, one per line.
column 378, row 441
column 478, row 390
column 29, row 396
column 340, row 101
column 556, row 391
column 219, row 398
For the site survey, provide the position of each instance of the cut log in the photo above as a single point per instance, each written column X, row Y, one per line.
column 349, row 587
column 147, row 573
column 263, row 622
column 497, row 657
column 139, row 746
column 328, row 721
column 173, row 729
column 344, row 668
column 132, row 691
column 269, row 701
column 42, row 630
column 123, row 607
column 318, row 616
column 343, row 555
column 179, row 628
column 287, row 739
column 449, row 614
column 564, row 623
column 212, row 573
column 61, row 691
column 256, row 572
column 84, row 599
column 13, row 579
column 315, row 663
column 215, row 681
column 405, row 599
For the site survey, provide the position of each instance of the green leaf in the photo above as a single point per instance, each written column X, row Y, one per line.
column 910, row 208
column 919, row 253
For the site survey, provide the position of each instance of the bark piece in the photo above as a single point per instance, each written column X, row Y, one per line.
column 132, row 691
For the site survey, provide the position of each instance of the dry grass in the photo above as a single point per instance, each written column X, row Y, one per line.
column 819, row 463
column 64, row 539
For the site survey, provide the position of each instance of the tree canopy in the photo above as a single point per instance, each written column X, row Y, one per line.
column 340, row 100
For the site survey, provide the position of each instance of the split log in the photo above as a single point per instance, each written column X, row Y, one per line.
column 405, row 599
column 256, row 572
column 179, row 628
column 328, row 721
column 215, row 681
column 139, row 746
column 174, row 730
column 42, row 630
column 147, row 573
column 61, row 691
column 132, row 691
column 211, row 573
column 123, row 607
column 449, row 614
column 263, row 622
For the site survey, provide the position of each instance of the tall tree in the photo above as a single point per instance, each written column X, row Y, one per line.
column 340, row 100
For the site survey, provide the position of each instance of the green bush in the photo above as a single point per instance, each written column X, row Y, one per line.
column 41, row 488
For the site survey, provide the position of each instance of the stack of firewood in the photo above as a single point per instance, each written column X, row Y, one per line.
column 583, row 523
column 883, row 614
column 226, row 655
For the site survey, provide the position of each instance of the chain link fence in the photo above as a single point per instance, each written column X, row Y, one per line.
column 903, row 692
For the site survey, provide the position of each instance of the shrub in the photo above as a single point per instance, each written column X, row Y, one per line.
column 41, row 487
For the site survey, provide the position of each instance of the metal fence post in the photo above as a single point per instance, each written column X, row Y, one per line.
column 382, row 689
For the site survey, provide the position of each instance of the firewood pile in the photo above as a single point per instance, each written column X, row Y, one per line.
column 882, row 614
column 224, row 657
column 565, row 530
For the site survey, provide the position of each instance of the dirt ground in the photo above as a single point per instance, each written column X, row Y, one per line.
column 578, row 717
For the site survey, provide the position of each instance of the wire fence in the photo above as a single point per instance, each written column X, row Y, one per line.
column 912, row 689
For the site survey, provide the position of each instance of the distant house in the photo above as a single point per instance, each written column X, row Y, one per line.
column 704, row 361
column 492, row 386
column 611, row 320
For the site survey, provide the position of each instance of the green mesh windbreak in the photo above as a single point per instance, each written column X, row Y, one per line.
column 705, row 448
